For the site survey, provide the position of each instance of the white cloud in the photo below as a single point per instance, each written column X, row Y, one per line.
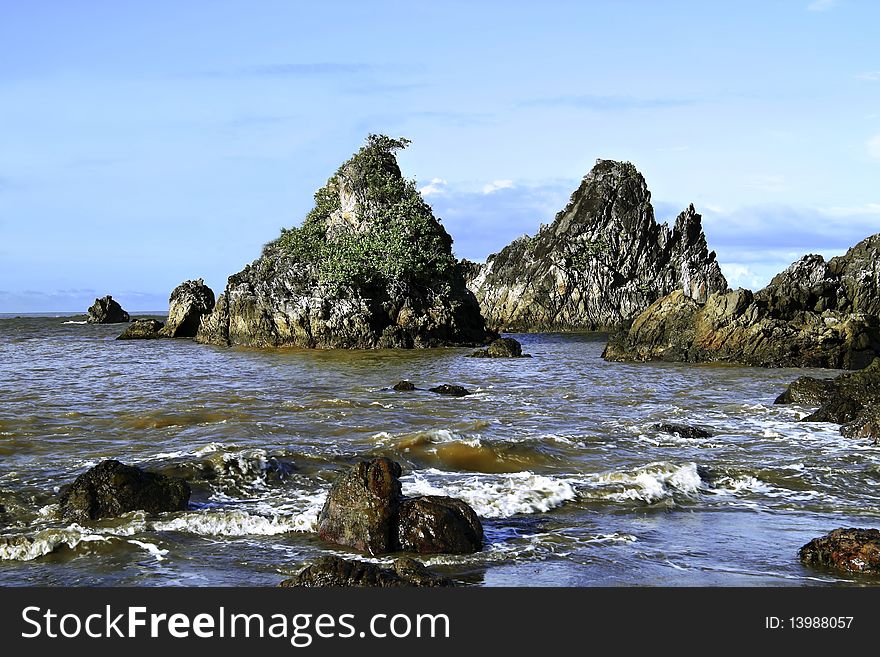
column 874, row 147
column 436, row 186
column 766, row 182
column 873, row 76
column 821, row 5
column 868, row 209
column 495, row 185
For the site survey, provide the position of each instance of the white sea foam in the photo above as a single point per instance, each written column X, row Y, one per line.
column 75, row 322
column 494, row 496
column 27, row 548
column 651, row 483
column 152, row 548
column 238, row 523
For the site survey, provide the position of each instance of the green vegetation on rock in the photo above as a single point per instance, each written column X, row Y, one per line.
column 384, row 235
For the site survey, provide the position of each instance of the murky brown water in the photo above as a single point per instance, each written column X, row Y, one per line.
column 557, row 453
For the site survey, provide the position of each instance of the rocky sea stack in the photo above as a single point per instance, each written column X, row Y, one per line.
column 602, row 261
column 107, row 311
column 813, row 314
column 189, row 302
column 370, row 267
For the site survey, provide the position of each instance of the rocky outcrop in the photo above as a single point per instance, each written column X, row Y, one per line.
column 189, row 302
column 366, row 510
column 852, row 550
column 501, row 348
column 602, row 261
column 370, row 267
column 106, row 311
column 404, row 386
column 814, row 314
column 112, row 488
column 851, row 399
column 142, row 329
column 337, row 572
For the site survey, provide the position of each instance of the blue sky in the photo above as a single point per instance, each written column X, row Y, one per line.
column 144, row 143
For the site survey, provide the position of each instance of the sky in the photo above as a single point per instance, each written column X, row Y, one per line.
column 146, row 143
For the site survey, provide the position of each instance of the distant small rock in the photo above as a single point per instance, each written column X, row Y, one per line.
column 452, row 391
column 338, row 572
column 142, row 329
column 112, row 488
column 849, row 549
column 404, row 386
column 189, row 302
column 501, row 348
column 683, row 430
column 107, row 311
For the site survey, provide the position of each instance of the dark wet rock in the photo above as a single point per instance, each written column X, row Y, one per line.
column 106, row 311
column 189, row 302
column 810, row 315
column 602, row 261
column 683, row 430
column 865, row 425
column 450, row 390
column 370, row 267
column 851, row 399
column 839, row 410
column 501, row 348
column 338, row 572
column 112, row 488
column 433, row 524
column 853, row 550
column 404, row 386
column 142, row 329
column 361, row 507
column 365, row 510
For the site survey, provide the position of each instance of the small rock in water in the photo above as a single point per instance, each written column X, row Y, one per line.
column 112, row 488
column 501, row 348
column 683, row 430
column 404, row 386
column 142, row 329
column 438, row 524
column 366, row 510
column 106, row 311
column 452, row 391
column 850, row 549
column 338, row 572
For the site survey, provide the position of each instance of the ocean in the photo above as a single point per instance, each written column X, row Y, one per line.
column 557, row 453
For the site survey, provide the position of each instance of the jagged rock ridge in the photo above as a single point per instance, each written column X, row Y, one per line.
column 370, row 267
column 813, row 314
column 602, row 261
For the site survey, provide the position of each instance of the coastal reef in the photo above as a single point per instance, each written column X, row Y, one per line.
column 106, row 310
column 813, row 314
column 601, row 262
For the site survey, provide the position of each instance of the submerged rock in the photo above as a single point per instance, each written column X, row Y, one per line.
column 810, row 315
column 602, row 261
column 853, row 550
column 851, row 399
column 106, row 311
column 366, row 510
column 404, row 386
column 337, row 572
column 370, row 267
column 501, row 348
column 683, row 430
column 450, row 390
column 112, row 488
column 142, row 329
column 189, row 302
